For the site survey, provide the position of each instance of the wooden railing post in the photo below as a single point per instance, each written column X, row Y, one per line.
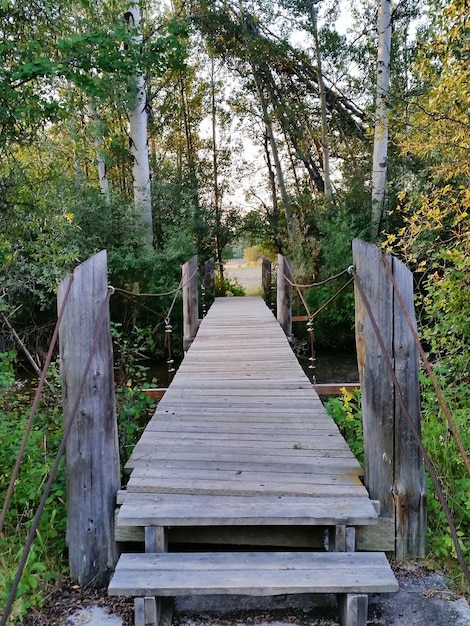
column 208, row 286
column 266, row 278
column 393, row 467
column 284, row 293
column 190, row 302
column 92, row 453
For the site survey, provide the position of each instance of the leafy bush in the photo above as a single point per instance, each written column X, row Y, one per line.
column 346, row 411
column 227, row 287
column 45, row 561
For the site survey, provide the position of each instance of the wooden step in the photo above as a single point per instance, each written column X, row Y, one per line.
column 351, row 575
column 163, row 509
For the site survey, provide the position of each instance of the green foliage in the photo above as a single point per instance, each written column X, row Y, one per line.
column 45, row 561
column 227, row 287
column 133, row 406
column 253, row 254
column 346, row 411
column 449, row 465
column 433, row 238
column 45, row 564
column 7, row 374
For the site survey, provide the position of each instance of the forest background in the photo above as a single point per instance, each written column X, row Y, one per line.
column 261, row 120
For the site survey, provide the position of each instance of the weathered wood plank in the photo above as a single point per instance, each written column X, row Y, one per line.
column 409, row 480
column 266, row 278
column 148, row 453
column 394, row 471
column 257, row 573
column 190, row 301
column 148, row 484
column 284, row 294
column 187, row 510
column 92, row 475
column 377, row 388
column 241, row 423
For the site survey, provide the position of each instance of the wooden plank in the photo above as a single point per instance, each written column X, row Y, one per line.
column 254, row 574
column 145, row 454
column 248, row 442
column 409, row 486
column 190, row 301
column 148, row 484
column 254, row 464
column 353, row 609
column 92, row 477
column 155, row 393
column 266, row 277
column 241, row 423
column 318, row 475
column 222, row 510
column 284, row 294
column 335, row 389
column 377, row 388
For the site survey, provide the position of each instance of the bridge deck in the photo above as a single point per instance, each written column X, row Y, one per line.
column 241, row 436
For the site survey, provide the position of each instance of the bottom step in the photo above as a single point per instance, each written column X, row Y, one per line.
column 258, row 574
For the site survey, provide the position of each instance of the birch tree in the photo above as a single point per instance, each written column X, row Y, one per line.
column 380, row 154
column 138, row 135
column 322, row 96
column 100, row 157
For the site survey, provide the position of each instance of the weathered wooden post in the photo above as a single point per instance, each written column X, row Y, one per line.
column 208, row 286
column 92, row 451
column 190, row 302
column 394, row 472
column 209, row 276
column 284, row 293
column 266, row 278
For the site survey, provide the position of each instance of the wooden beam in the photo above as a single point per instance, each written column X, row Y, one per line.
column 156, row 394
column 93, row 477
column 190, row 302
column 266, row 286
column 323, row 389
column 284, row 294
column 335, row 389
column 393, row 465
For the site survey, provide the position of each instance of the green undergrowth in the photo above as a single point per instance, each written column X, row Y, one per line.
column 450, row 467
column 228, row 287
column 47, row 562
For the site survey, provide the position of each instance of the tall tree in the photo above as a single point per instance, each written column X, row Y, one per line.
column 380, row 155
column 322, row 95
column 138, row 133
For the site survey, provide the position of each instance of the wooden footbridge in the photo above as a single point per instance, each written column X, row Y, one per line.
column 240, row 452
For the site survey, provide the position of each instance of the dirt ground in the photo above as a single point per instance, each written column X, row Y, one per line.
column 248, row 276
column 424, row 599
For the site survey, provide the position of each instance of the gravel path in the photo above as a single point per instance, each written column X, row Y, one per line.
column 423, row 600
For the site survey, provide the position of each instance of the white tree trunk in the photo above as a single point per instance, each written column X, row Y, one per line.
column 379, row 163
column 138, row 138
column 98, row 139
column 324, row 119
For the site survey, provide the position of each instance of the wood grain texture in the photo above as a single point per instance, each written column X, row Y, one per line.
column 252, row 573
column 92, row 453
column 190, row 301
column 240, row 438
column 393, row 467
